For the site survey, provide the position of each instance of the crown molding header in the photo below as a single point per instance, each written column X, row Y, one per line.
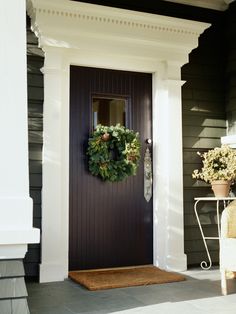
column 77, row 25
column 103, row 14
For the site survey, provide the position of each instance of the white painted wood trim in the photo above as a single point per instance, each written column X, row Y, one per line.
column 229, row 140
column 15, row 204
column 13, row 251
column 84, row 34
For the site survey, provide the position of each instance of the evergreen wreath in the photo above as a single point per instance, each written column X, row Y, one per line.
column 114, row 152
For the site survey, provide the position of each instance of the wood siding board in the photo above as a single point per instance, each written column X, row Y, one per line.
column 205, row 105
column 198, row 246
column 35, row 124
column 197, row 192
column 230, row 73
column 192, row 119
column 33, row 255
column 205, row 143
column 35, row 194
column 194, row 232
column 199, row 83
column 35, row 166
column 32, row 269
column 195, row 258
column 35, row 152
column 36, row 180
column 231, row 105
column 35, row 110
column 35, row 93
column 206, row 218
column 203, row 132
column 35, row 80
column 35, row 135
column 204, row 122
column 37, row 210
column 202, row 206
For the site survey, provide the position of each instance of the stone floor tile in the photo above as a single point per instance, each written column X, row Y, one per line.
column 199, row 294
column 106, row 304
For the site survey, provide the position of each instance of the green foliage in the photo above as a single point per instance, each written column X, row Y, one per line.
column 114, row 152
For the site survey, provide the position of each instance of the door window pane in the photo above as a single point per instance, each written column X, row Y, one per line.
column 108, row 111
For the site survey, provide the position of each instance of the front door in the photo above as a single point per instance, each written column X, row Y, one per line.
column 110, row 224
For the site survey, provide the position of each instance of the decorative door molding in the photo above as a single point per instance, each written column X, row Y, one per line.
column 77, row 33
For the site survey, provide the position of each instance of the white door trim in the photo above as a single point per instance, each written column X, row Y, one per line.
column 89, row 35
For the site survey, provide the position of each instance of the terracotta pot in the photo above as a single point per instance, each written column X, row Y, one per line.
column 221, row 188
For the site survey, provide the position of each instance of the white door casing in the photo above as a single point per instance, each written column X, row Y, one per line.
column 16, row 206
column 90, row 35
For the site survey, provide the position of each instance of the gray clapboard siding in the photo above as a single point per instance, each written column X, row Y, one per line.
column 198, row 245
column 201, row 142
column 37, row 224
column 36, row 137
column 35, row 93
column 35, row 124
column 204, row 122
column 11, row 269
column 231, row 69
column 35, row 166
column 204, row 207
column 13, row 294
column 35, row 152
column 36, row 80
column 194, row 233
column 35, row 108
column 35, row 62
column 195, row 258
column 35, row 194
column 37, row 207
column 194, row 247
column 206, row 218
column 202, row 132
column 12, row 287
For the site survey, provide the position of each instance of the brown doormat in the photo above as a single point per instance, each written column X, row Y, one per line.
column 123, row 277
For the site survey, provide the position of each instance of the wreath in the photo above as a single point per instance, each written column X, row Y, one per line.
column 114, row 152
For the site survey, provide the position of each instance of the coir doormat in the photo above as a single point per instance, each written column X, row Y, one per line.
column 123, row 277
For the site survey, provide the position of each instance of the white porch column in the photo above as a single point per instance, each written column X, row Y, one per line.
column 54, row 264
column 15, row 204
column 168, row 172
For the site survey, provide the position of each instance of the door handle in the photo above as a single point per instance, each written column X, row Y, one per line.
column 148, row 141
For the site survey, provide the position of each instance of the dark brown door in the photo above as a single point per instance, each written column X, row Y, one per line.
column 110, row 223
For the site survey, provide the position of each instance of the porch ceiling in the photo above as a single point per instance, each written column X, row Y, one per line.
column 220, row 5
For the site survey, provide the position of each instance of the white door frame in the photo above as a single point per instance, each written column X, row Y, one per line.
column 103, row 37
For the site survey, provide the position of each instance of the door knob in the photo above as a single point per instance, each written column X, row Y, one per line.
column 149, row 141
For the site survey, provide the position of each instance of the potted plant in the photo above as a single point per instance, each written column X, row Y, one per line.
column 219, row 169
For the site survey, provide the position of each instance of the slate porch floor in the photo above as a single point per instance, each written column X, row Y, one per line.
column 200, row 293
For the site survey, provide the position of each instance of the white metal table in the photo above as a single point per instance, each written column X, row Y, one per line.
column 225, row 201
